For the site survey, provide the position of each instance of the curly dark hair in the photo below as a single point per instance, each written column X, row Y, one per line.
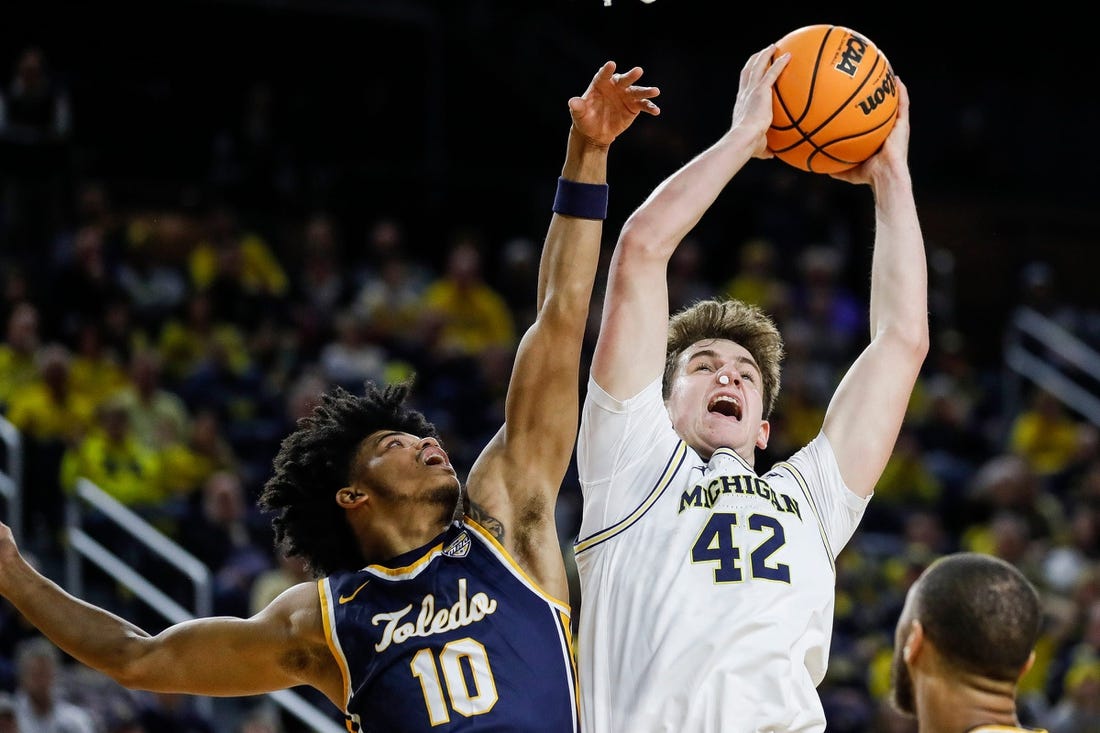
column 727, row 318
column 316, row 461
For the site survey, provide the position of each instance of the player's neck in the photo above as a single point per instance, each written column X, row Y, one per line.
column 952, row 705
column 386, row 539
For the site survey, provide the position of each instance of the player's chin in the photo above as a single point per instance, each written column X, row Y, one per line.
column 447, row 491
column 725, row 431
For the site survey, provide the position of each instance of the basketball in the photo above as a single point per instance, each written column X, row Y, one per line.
column 834, row 103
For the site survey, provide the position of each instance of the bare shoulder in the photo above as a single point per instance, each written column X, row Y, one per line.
column 297, row 612
column 305, row 652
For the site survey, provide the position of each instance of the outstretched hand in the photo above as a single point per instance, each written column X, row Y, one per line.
column 752, row 112
column 894, row 150
column 610, row 104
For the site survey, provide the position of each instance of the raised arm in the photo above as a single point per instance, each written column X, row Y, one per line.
column 630, row 351
column 866, row 412
column 281, row 647
column 517, row 477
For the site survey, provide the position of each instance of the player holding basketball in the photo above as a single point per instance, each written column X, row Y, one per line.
column 965, row 637
column 708, row 588
column 426, row 619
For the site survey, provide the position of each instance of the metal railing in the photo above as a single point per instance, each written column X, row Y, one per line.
column 11, row 478
column 1042, row 352
column 82, row 546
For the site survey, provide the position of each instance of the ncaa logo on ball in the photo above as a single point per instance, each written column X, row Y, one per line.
column 853, row 54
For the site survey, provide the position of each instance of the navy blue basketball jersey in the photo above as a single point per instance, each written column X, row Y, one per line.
column 451, row 637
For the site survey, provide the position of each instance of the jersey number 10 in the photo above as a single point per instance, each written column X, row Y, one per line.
column 456, row 654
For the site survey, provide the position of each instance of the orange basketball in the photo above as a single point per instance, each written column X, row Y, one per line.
column 834, row 103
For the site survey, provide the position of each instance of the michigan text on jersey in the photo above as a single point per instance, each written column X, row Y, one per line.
column 703, row 495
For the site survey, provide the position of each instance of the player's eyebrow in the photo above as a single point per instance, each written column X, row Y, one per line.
column 382, row 436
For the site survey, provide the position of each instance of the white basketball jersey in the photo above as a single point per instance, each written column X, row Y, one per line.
column 706, row 591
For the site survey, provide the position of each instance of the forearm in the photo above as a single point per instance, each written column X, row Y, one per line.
column 570, row 253
column 899, row 273
column 867, row 410
column 91, row 635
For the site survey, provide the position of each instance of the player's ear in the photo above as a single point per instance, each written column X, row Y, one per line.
column 914, row 640
column 763, row 434
column 1027, row 665
column 350, row 496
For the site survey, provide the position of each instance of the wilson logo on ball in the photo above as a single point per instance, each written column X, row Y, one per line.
column 887, row 89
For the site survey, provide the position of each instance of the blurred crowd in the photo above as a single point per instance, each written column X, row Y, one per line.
column 163, row 352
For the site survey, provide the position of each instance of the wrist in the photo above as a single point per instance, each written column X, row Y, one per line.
column 581, row 200
column 585, row 160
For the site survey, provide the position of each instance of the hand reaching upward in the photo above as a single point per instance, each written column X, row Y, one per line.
column 610, row 104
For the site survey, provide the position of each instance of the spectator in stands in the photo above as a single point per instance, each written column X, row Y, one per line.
column 197, row 455
column 228, row 536
column 321, row 285
column 352, row 358
column 290, row 570
column 1007, row 483
column 165, row 712
column 390, row 300
column 1078, row 658
column 17, row 352
column 158, row 416
column 116, row 460
column 51, row 416
column 39, row 702
column 151, row 282
column 35, row 132
column 187, row 342
column 96, row 371
column 1046, row 436
column 1079, row 709
column 757, row 279
column 82, row 288
column 237, row 267
column 464, row 315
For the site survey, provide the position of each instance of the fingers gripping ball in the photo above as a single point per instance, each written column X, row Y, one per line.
column 834, row 103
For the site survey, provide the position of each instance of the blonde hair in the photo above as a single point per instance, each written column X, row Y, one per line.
column 737, row 321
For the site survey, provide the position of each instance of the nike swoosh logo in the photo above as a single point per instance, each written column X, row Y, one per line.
column 348, row 599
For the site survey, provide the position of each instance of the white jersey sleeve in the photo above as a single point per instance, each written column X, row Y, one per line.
column 837, row 508
column 616, row 447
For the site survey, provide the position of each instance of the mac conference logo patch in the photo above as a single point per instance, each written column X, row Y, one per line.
column 459, row 547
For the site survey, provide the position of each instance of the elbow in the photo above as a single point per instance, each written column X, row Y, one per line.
column 126, row 673
column 920, row 341
column 128, row 666
column 912, row 341
column 127, row 676
column 564, row 316
column 640, row 240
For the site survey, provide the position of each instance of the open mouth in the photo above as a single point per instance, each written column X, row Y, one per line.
column 726, row 405
column 435, row 457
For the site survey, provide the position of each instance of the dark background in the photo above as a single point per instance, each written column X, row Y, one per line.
column 442, row 112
